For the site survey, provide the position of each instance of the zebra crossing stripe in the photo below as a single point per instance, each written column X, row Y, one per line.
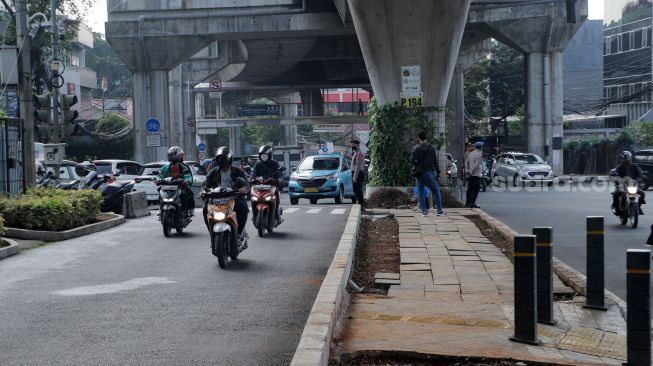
column 314, row 211
column 290, row 210
column 338, row 211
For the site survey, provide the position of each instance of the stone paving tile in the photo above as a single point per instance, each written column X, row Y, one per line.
column 442, row 288
column 385, row 281
column 416, row 278
column 466, row 253
column 443, row 296
column 406, row 291
column 412, row 258
column 411, row 244
column 415, row 267
column 387, row 276
column 413, row 250
column 485, row 298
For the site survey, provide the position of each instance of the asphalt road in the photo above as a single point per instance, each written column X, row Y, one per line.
column 565, row 209
column 129, row 296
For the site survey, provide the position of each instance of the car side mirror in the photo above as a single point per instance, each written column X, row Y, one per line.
column 62, row 171
column 156, row 172
column 294, row 168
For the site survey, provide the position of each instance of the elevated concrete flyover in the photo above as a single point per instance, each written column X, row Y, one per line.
column 307, row 43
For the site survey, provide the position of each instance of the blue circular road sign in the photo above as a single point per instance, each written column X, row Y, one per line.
column 325, row 149
column 201, row 147
column 152, row 125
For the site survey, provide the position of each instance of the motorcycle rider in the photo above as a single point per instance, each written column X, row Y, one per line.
column 226, row 176
column 266, row 168
column 178, row 170
column 630, row 170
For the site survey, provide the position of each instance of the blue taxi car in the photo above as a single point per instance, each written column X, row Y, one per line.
column 322, row 176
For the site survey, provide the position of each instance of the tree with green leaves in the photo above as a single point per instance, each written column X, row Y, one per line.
column 106, row 63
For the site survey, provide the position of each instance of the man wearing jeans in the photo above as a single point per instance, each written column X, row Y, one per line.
column 358, row 171
column 425, row 159
column 474, row 175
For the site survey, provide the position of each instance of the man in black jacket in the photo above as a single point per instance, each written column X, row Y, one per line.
column 426, row 169
column 227, row 176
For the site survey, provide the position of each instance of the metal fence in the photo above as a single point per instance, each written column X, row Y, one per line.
column 11, row 156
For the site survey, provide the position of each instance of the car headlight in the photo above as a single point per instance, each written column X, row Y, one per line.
column 332, row 177
column 254, row 198
column 631, row 189
column 267, row 198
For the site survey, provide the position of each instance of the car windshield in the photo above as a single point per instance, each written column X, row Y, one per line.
column 528, row 159
column 149, row 170
column 318, row 163
column 103, row 168
column 643, row 157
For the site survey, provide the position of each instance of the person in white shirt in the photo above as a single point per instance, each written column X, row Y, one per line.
column 473, row 172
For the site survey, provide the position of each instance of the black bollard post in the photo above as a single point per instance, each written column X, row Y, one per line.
column 544, row 239
column 638, row 323
column 595, row 264
column 525, row 290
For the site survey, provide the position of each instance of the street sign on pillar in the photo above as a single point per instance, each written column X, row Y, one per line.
column 65, row 102
column 42, row 107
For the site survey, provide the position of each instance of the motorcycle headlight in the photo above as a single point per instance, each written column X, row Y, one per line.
column 267, row 198
column 631, row 189
column 254, row 198
column 219, row 216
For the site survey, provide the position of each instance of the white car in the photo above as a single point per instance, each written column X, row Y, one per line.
column 127, row 169
column 521, row 168
column 145, row 182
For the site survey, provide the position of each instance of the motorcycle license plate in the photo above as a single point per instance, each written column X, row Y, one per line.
column 169, row 188
column 311, row 190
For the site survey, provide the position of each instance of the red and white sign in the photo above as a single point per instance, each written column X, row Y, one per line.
column 215, row 85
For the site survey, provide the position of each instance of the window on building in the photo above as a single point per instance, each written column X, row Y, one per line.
column 648, row 36
column 623, row 91
column 637, row 92
column 646, row 92
column 625, row 42
column 638, row 36
column 614, row 42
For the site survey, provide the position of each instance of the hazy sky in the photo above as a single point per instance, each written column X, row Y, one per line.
column 98, row 13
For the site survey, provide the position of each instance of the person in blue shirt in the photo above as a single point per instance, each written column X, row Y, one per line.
column 266, row 168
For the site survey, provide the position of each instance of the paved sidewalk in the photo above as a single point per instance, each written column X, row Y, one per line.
column 455, row 298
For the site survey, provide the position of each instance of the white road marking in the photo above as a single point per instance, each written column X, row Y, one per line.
column 314, row 211
column 338, row 211
column 290, row 210
column 114, row 287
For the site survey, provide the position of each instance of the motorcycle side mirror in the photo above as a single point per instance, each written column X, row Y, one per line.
column 282, row 169
column 294, row 168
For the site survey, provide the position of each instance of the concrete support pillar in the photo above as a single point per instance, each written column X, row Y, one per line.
column 544, row 106
column 150, row 101
column 456, row 112
column 176, row 112
column 290, row 135
column 235, row 141
column 393, row 34
column 312, row 101
column 200, row 110
column 188, row 111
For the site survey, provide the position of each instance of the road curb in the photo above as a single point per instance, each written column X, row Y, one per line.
column 569, row 276
column 12, row 249
column 65, row 235
column 331, row 302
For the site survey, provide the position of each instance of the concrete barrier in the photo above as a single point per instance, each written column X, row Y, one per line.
column 68, row 234
column 135, row 205
column 11, row 249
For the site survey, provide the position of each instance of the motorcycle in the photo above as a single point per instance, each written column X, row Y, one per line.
column 264, row 194
column 112, row 190
column 49, row 179
column 627, row 202
column 221, row 218
column 171, row 213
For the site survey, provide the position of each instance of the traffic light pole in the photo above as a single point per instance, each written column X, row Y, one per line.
column 25, row 93
column 56, row 131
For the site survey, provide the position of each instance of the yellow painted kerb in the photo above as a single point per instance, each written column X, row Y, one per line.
column 518, row 254
column 638, row 271
column 594, row 232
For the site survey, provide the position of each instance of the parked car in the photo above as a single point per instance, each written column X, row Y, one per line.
column 145, row 182
column 644, row 158
column 67, row 171
column 321, row 176
column 127, row 169
column 521, row 168
column 199, row 173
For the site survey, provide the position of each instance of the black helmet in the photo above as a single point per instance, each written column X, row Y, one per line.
column 239, row 183
column 265, row 150
column 223, row 157
column 626, row 156
column 175, row 154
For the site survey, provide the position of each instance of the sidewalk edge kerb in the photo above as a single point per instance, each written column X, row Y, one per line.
column 315, row 343
column 568, row 275
column 68, row 234
column 12, row 249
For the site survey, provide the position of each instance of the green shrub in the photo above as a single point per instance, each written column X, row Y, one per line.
column 51, row 209
column 2, row 226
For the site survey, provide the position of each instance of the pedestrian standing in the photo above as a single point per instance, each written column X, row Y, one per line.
column 474, row 174
column 468, row 148
column 360, row 107
column 358, row 171
column 426, row 169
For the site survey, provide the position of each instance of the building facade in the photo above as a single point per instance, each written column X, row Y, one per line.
column 583, row 69
column 627, row 73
